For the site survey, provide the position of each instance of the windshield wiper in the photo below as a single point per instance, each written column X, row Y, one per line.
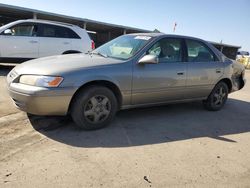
column 100, row 54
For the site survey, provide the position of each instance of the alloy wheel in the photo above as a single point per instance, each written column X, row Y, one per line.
column 219, row 96
column 97, row 109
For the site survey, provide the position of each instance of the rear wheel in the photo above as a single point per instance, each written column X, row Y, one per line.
column 218, row 97
column 94, row 108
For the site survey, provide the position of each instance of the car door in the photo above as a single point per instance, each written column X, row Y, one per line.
column 164, row 81
column 204, row 69
column 19, row 42
column 54, row 40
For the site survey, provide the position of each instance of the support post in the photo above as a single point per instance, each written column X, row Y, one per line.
column 34, row 15
column 85, row 25
column 109, row 35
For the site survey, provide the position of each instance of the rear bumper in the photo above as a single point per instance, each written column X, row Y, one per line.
column 41, row 101
column 238, row 84
column 243, row 83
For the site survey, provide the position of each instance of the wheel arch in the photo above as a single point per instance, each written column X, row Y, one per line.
column 228, row 82
column 110, row 85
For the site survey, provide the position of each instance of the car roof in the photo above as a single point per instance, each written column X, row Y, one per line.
column 48, row 22
column 147, row 34
column 165, row 35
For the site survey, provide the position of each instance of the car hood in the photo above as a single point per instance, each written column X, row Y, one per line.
column 58, row 65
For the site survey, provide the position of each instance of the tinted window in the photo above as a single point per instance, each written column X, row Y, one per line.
column 48, row 31
column 63, row 32
column 168, row 50
column 25, row 29
column 199, row 52
column 57, row 32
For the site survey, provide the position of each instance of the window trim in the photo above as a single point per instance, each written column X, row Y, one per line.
column 215, row 58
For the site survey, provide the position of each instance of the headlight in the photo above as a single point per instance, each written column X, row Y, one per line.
column 41, row 81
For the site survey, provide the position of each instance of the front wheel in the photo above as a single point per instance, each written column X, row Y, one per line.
column 218, row 97
column 94, row 108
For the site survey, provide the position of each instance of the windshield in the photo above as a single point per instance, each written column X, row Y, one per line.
column 123, row 47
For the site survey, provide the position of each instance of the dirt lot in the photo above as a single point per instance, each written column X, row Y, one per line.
column 179, row 145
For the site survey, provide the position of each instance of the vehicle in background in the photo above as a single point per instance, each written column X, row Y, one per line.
column 242, row 53
column 28, row 39
column 243, row 57
column 130, row 71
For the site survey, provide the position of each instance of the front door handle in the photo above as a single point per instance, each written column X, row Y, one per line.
column 33, row 41
column 180, row 73
column 218, row 70
column 66, row 43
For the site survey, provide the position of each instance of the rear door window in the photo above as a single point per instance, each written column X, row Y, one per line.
column 199, row 52
column 48, row 31
column 63, row 32
column 54, row 31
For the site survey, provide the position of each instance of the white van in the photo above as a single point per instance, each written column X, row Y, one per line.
column 28, row 39
column 241, row 54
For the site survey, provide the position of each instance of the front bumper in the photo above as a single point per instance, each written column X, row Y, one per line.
column 41, row 101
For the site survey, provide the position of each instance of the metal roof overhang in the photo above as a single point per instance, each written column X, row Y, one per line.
column 11, row 12
column 224, row 45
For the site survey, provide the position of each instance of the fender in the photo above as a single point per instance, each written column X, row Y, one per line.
column 91, row 78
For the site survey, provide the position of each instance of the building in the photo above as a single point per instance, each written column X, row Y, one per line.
column 100, row 32
column 228, row 50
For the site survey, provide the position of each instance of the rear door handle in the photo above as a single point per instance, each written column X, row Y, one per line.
column 218, row 70
column 180, row 73
column 66, row 43
column 33, row 41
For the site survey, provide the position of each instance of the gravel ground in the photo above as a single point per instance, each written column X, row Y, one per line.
column 179, row 145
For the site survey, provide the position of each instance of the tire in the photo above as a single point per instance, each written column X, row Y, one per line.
column 217, row 98
column 94, row 108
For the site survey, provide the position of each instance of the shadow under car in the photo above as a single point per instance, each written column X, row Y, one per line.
column 153, row 125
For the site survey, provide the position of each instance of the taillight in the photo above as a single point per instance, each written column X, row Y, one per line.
column 92, row 45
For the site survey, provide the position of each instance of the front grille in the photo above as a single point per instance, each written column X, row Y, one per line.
column 12, row 76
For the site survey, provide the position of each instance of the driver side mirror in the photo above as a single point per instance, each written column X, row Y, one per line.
column 149, row 59
column 7, row 32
